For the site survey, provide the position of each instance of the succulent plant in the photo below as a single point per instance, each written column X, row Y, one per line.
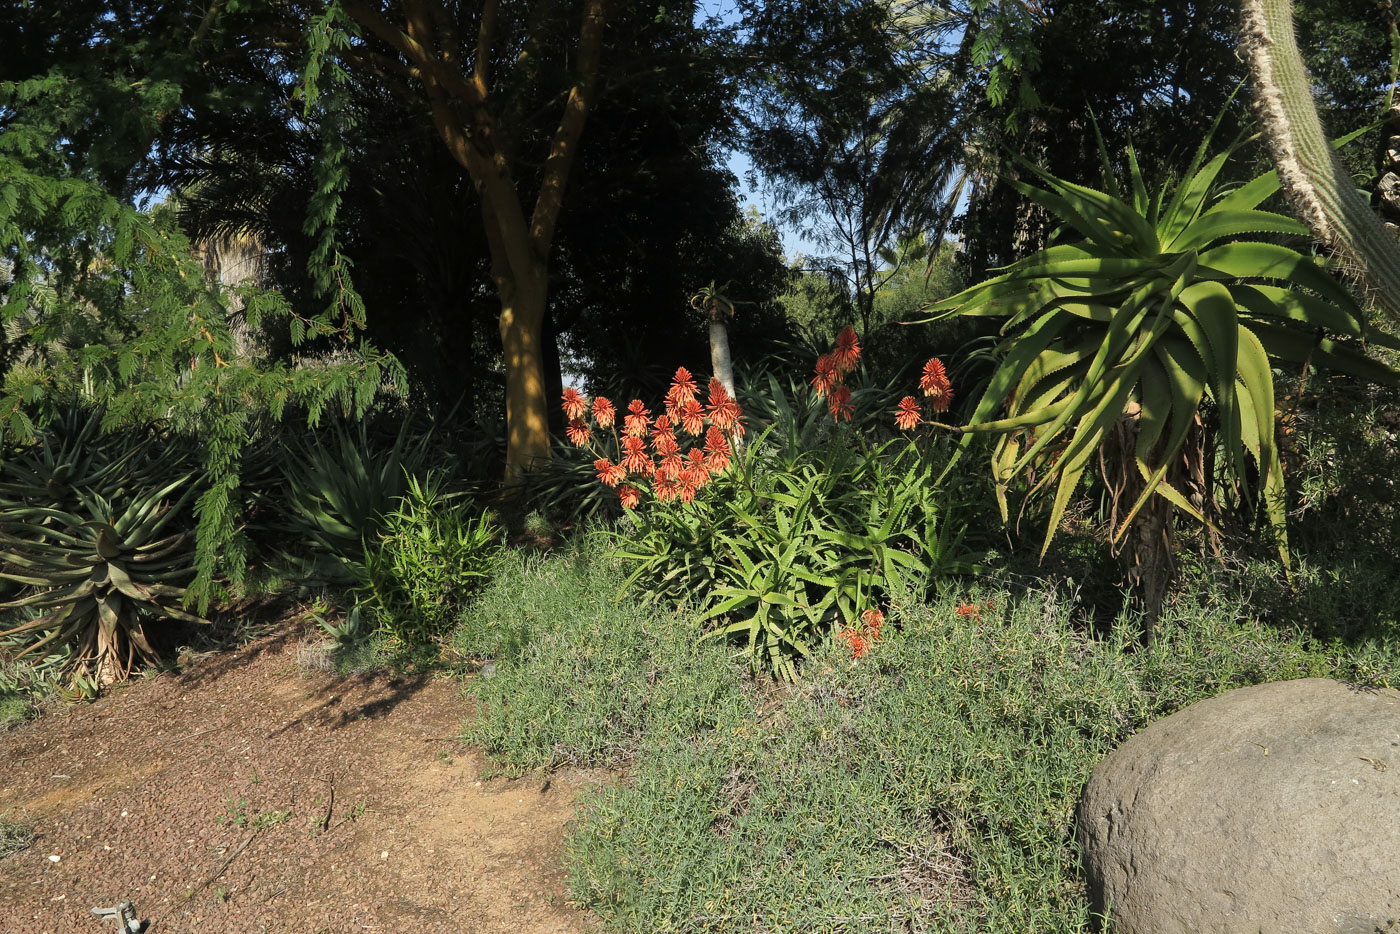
column 94, row 545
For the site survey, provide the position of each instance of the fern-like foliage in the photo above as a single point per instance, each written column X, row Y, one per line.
column 103, row 301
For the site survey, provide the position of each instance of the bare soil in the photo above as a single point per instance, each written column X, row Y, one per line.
column 244, row 794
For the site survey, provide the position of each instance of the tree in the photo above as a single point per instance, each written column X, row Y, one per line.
column 859, row 132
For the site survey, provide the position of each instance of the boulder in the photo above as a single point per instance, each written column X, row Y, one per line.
column 1272, row 809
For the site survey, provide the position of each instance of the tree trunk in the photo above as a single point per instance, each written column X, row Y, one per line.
column 527, row 405
column 721, row 364
column 1152, row 566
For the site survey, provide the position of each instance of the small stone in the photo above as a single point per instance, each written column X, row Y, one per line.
column 384, row 855
column 55, row 858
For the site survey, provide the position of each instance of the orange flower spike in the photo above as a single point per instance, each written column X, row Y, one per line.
column 603, row 412
column 908, row 416
column 575, row 405
column 670, row 467
column 692, row 417
column 935, row 385
column 609, row 474
column 666, row 490
column 683, row 389
column 969, row 609
column 827, row 377
column 847, row 353
column 635, row 424
column 724, row 412
column 578, row 432
column 717, row 451
column 840, row 404
column 873, row 619
column 629, row 495
column 635, row 459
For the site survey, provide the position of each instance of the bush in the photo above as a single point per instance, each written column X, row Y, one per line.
column 431, row 556
column 928, row 786
column 96, row 532
column 814, row 528
column 582, row 671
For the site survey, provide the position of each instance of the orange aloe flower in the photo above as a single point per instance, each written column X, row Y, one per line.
column 575, row 405
column 873, row 620
column 579, row 432
column 935, row 385
column 847, row 352
column 609, row 473
column 629, row 495
column 670, row 467
column 635, row 424
column 666, row 490
column 827, row 377
column 840, row 403
column 908, row 415
column 635, row 459
column 717, row 452
column 683, row 389
column 724, row 412
column 603, row 412
column 692, row 417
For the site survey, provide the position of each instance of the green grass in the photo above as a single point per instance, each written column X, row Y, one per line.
column 15, row 834
column 928, row 787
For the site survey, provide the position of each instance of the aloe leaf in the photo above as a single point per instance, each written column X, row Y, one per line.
column 1271, row 261
column 1189, row 197
column 1216, row 225
column 1272, row 302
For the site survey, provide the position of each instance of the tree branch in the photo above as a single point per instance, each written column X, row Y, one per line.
column 563, row 148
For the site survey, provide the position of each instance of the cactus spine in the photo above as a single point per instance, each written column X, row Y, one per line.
column 1318, row 187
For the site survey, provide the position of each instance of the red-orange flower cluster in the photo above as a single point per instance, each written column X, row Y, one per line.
column 832, row 369
column 935, row 386
column 672, row 473
column 861, row 638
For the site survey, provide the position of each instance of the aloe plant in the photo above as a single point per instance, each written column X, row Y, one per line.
column 1113, row 344
column 98, row 573
column 339, row 486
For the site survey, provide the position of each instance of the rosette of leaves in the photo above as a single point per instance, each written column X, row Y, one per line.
column 1114, row 343
column 98, row 574
column 339, row 486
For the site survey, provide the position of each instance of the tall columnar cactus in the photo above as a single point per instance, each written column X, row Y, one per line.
column 1320, row 190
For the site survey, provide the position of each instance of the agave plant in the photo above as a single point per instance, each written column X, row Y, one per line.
column 1113, row 344
column 98, row 574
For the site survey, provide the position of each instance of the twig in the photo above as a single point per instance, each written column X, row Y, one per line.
column 330, row 804
column 231, row 857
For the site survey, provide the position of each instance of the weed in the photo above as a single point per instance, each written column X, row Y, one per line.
column 15, row 834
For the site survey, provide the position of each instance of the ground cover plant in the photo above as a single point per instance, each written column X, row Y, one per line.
column 926, row 785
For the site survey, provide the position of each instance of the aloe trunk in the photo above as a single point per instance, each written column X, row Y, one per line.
column 1319, row 188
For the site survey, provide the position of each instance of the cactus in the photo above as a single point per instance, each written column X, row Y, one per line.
column 1316, row 185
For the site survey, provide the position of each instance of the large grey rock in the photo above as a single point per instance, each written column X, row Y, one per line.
column 1271, row 809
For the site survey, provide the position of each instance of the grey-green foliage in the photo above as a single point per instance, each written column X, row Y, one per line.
column 95, row 532
column 1322, row 193
column 928, row 787
column 580, row 672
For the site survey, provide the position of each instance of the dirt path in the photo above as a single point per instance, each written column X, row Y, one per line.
column 245, row 795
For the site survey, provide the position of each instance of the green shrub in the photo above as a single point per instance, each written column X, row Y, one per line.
column 15, row 835
column 928, row 786
column 579, row 673
column 815, row 527
column 429, row 558
column 337, row 486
